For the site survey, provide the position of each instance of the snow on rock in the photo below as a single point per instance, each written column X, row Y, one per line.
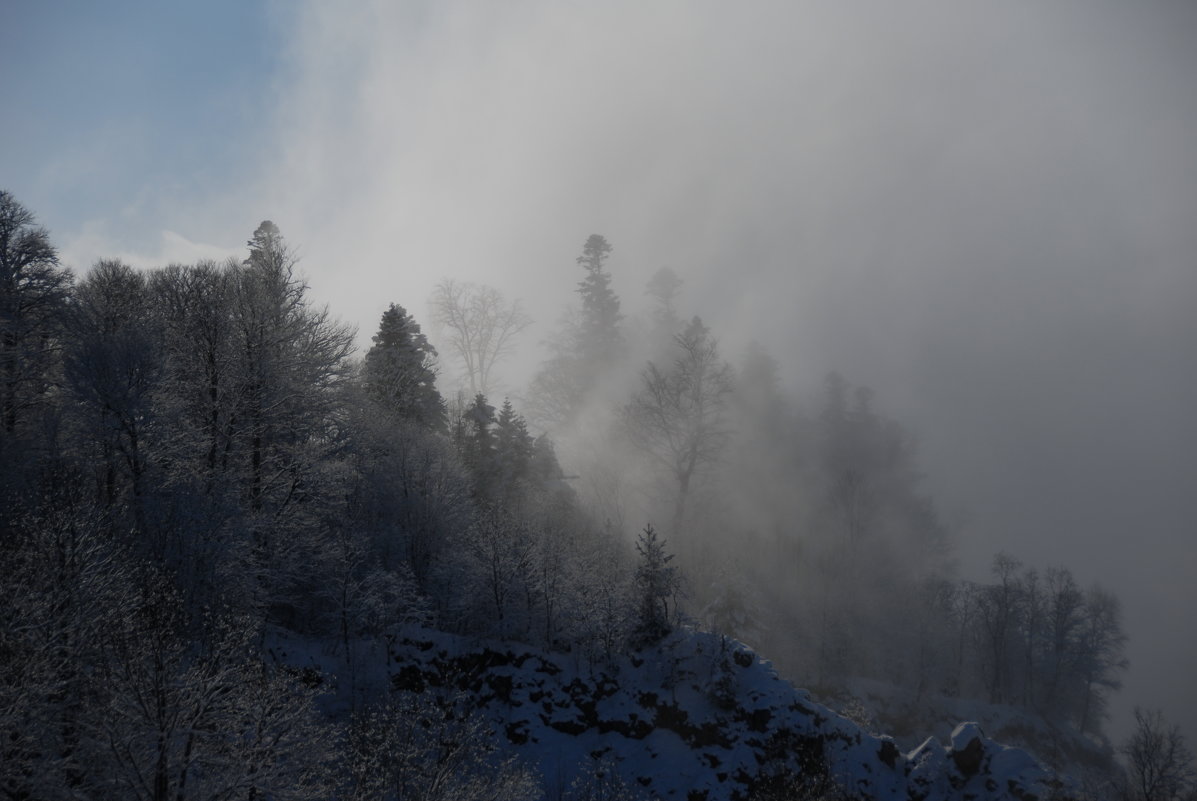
column 702, row 718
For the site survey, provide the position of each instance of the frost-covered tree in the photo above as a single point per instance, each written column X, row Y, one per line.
column 475, row 438
column 66, row 590
column 421, row 748
column 33, row 294
column 500, row 553
column 200, row 385
column 408, row 494
column 400, row 370
column 209, row 722
column 113, row 367
column 291, row 362
column 514, row 449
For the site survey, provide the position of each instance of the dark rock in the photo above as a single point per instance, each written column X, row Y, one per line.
column 888, row 753
column 409, row 678
column 967, row 748
column 517, row 732
column 548, row 668
column 968, row 760
column 501, row 685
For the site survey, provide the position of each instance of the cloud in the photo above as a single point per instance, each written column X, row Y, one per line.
column 96, row 240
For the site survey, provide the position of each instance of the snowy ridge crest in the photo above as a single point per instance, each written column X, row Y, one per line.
column 702, row 718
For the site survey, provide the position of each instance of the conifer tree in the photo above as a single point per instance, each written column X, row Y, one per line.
column 663, row 287
column 476, row 443
column 400, row 370
column 599, row 340
column 657, row 583
column 587, row 347
column 513, row 451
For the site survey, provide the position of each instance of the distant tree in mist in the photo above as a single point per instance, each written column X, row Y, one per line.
column 599, row 339
column 998, row 605
column 586, row 349
column 1101, row 656
column 663, row 288
column 1159, row 764
column 482, row 327
column 677, row 416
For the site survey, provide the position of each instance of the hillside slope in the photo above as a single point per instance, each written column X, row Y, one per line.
column 700, row 718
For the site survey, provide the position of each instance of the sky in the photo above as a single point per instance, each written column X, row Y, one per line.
column 986, row 212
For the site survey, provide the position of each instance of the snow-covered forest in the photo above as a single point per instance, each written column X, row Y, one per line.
column 221, row 522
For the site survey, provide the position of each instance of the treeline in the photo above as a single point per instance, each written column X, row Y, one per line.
column 194, row 468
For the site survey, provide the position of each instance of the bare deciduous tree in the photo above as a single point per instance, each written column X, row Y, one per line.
column 677, row 416
column 482, row 327
column 1160, row 765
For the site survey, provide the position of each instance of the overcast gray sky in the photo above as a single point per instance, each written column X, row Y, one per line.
column 985, row 211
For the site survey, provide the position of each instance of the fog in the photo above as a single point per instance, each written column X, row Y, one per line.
column 982, row 211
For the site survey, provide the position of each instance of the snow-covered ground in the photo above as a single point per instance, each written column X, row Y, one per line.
column 695, row 717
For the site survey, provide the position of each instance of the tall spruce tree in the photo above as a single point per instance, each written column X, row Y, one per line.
column 400, row 371
column 476, row 444
column 599, row 340
column 513, row 451
column 588, row 345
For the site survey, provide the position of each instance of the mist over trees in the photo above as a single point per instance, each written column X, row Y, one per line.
column 196, row 467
